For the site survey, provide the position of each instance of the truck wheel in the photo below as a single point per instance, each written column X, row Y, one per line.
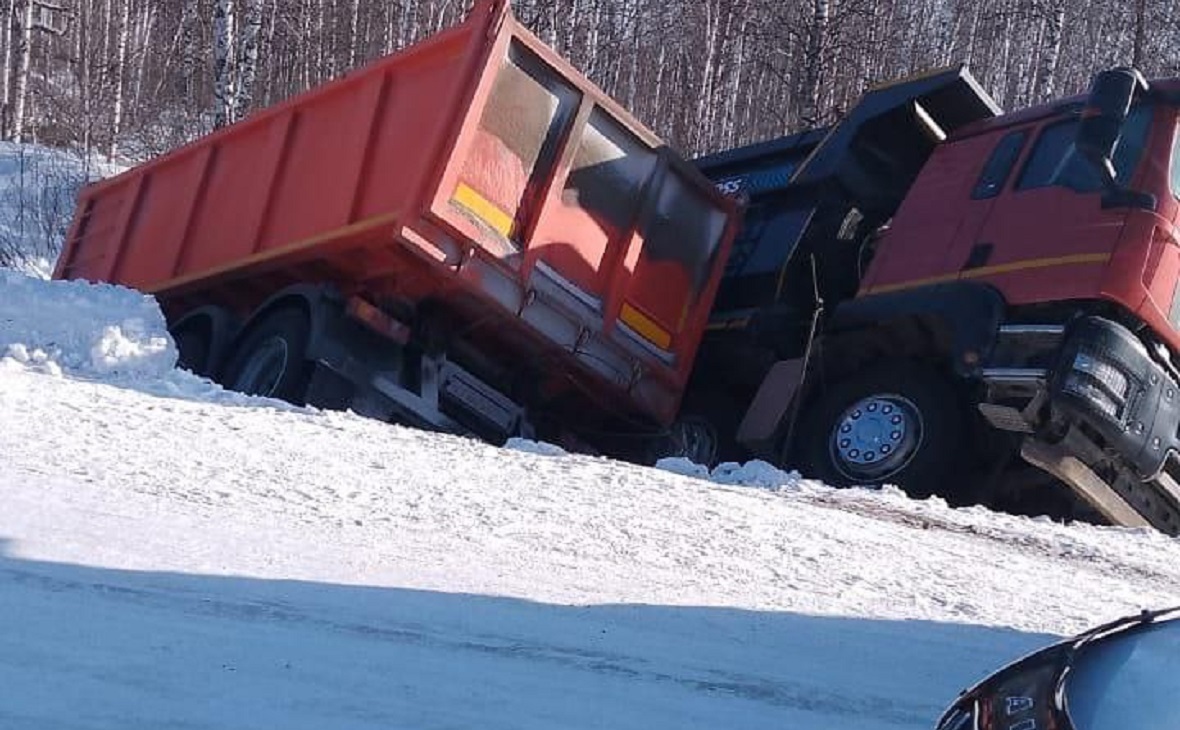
column 269, row 359
column 901, row 424
column 193, row 348
column 694, row 438
column 704, row 431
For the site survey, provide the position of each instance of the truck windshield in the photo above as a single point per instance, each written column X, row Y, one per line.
column 1055, row 162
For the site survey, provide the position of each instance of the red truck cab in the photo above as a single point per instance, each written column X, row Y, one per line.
column 1031, row 221
column 946, row 297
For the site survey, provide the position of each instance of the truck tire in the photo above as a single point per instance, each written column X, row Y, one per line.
column 270, row 359
column 897, row 423
column 193, row 346
column 703, row 432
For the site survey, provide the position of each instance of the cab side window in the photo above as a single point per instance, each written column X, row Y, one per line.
column 1054, row 161
column 999, row 166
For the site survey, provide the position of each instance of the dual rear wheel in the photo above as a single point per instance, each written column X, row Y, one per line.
column 269, row 359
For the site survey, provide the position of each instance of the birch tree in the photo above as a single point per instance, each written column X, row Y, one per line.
column 224, row 97
column 23, row 37
column 1051, row 54
column 120, row 77
column 247, row 58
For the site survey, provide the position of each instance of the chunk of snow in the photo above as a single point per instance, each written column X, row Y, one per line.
column 683, row 466
column 81, row 328
column 534, row 447
column 755, row 473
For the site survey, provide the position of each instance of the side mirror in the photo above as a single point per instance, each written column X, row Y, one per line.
column 1111, row 95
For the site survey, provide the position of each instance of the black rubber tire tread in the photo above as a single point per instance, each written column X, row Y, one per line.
column 724, row 414
column 933, row 467
column 292, row 324
column 194, row 345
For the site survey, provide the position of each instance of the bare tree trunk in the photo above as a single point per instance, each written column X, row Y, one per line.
column 84, row 83
column 814, row 71
column 188, row 47
column 1047, row 75
column 24, row 55
column 353, row 24
column 147, row 23
column 120, row 78
column 1140, row 27
column 6, row 96
column 247, row 58
column 224, row 63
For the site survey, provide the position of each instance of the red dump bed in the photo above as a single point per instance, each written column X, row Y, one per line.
column 476, row 171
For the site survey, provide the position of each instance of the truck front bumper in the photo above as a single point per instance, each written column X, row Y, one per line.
column 1106, row 380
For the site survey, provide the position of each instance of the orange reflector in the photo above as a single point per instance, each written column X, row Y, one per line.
column 646, row 327
column 378, row 321
column 482, row 208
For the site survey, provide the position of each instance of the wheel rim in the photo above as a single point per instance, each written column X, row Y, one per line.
column 876, row 437
column 265, row 368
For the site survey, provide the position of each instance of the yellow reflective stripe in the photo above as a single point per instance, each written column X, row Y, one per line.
column 484, row 209
column 646, row 327
column 1071, row 260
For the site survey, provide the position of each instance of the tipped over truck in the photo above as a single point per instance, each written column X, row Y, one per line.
column 465, row 236
column 469, row 236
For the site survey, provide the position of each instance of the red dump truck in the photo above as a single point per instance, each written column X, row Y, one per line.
column 465, row 236
column 469, row 236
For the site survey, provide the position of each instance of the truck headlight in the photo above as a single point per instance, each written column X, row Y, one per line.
column 1099, row 382
column 1107, row 375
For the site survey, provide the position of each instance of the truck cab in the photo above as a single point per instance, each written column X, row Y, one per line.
column 965, row 302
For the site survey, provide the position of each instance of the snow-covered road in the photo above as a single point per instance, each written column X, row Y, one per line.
column 176, row 556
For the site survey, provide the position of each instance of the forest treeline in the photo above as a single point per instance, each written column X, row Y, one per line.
column 136, row 77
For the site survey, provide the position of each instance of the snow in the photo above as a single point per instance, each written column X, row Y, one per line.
column 173, row 555
column 751, row 474
column 38, row 186
column 69, row 326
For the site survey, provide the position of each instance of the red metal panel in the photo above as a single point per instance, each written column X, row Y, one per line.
column 235, row 196
column 154, row 239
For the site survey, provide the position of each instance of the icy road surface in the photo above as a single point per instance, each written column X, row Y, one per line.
column 172, row 555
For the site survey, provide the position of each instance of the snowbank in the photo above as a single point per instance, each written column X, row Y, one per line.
column 99, row 332
column 95, row 330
